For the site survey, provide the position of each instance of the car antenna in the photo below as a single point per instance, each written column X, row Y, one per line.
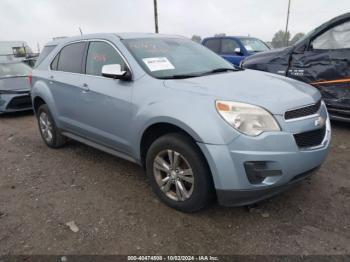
column 81, row 31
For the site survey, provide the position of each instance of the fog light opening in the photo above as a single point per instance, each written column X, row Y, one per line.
column 258, row 171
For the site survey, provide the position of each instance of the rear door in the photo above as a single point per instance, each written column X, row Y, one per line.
column 66, row 83
column 326, row 65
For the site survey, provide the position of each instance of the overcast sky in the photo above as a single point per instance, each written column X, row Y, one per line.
column 40, row 20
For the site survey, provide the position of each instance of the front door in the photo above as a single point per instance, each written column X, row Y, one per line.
column 326, row 65
column 105, row 103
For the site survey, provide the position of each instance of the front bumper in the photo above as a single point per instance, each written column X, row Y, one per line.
column 15, row 102
column 278, row 150
column 247, row 197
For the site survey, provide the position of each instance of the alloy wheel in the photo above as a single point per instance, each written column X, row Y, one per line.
column 46, row 127
column 174, row 175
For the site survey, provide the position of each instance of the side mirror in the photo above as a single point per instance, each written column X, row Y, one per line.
column 113, row 71
column 300, row 49
column 238, row 51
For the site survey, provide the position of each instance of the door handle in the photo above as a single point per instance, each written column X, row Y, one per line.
column 51, row 78
column 85, row 88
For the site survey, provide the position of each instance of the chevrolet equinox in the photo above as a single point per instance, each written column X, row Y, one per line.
column 202, row 128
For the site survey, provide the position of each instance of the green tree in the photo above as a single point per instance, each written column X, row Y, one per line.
column 280, row 39
column 220, row 34
column 296, row 38
column 196, row 38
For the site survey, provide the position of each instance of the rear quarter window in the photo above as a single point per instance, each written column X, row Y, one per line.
column 46, row 51
column 213, row 44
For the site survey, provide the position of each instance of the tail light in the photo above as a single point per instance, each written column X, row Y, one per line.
column 30, row 78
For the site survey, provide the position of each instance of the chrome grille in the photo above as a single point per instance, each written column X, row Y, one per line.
column 303, row 111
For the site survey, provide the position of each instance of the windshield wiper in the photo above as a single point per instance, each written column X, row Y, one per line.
column 214, row 71
column 221, row 70
column 224, row 69
column 184, row 76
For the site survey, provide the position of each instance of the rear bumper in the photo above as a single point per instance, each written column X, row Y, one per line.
column 234, row 198
column 15, row 102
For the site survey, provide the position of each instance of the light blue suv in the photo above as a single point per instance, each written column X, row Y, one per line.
column 202, row 129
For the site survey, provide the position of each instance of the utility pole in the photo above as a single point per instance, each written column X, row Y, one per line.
column 155, row 16
column 286, row 33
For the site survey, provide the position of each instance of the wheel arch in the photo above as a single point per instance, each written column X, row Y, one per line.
column 158, row 129
column 37, row 102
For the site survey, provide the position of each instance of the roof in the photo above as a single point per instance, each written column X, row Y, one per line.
column 119, row 35
column 145, row 35
column 231, row 36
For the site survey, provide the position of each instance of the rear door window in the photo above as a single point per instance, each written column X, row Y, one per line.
column 71, row 58
column 100, row 54
column 46, row 51
column 213, row 44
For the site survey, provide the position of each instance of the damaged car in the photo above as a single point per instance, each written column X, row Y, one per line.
column 321, row 58
column 14, row 87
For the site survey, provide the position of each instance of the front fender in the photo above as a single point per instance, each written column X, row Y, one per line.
column 200, row 119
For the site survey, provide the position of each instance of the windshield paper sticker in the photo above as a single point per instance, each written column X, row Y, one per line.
column 158, row 63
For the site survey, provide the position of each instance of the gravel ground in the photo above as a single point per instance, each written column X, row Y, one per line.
column 111, row 203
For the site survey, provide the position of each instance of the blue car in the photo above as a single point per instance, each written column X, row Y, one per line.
column 235, row 48
column 200, row 127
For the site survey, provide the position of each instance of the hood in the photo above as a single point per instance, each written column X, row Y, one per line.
column 278, row 56
column 14, row 84
column 272, row 92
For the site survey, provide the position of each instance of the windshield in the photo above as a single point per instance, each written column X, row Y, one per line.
column 14, row 69
column 305, row 37
column 175, row 57
column 254, row 45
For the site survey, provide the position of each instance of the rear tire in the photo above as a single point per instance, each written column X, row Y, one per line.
column 179, row 173
column 48, row 129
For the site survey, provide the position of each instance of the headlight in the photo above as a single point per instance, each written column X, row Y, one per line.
column 248, row 119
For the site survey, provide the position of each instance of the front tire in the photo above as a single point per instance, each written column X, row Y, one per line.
column 48, row 130
column 178, row 173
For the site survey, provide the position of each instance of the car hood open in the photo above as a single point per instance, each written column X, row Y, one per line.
column 275, row 93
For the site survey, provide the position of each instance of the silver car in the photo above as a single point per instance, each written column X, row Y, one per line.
column 14, row 87
column 202, row 128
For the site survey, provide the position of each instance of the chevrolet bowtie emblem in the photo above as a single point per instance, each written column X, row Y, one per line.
column 320, row 121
